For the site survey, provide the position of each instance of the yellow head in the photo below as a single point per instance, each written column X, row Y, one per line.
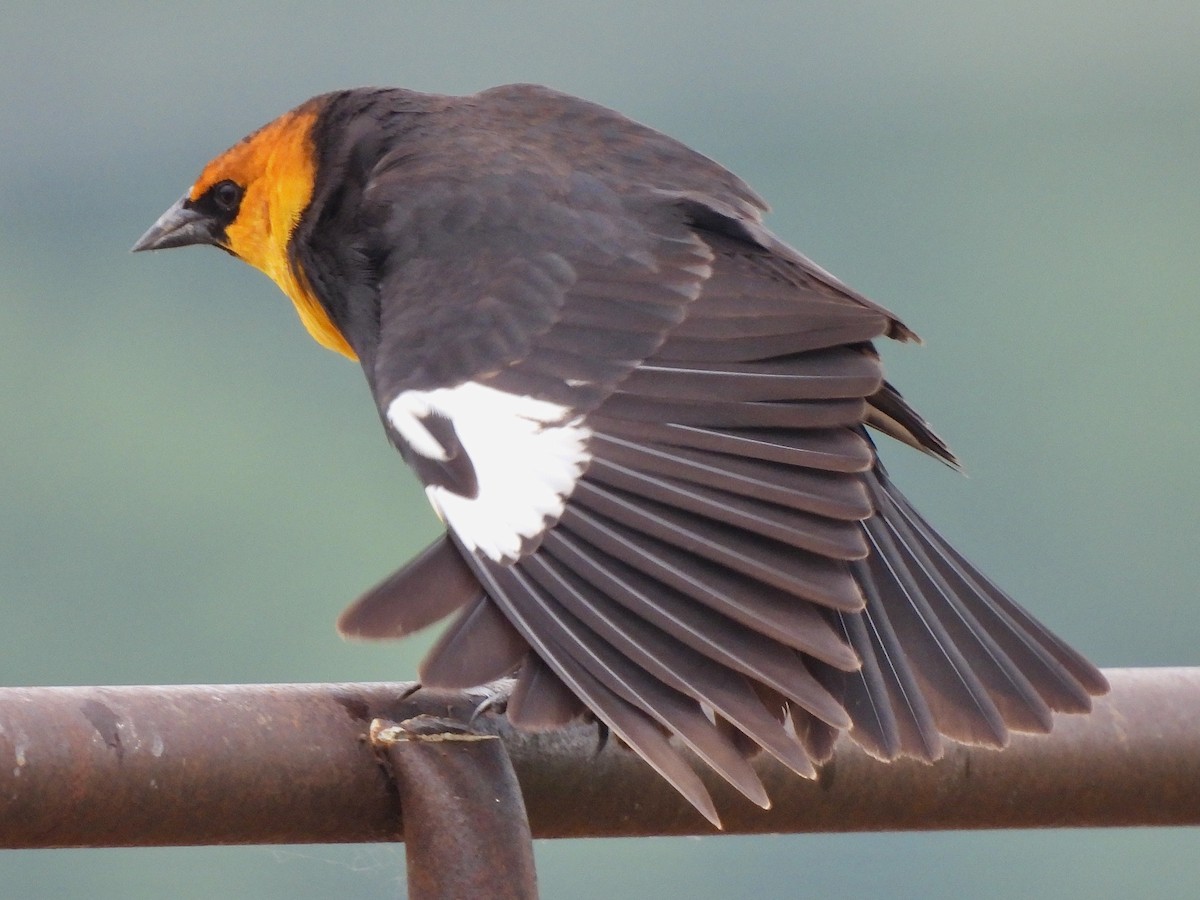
column 248, row 202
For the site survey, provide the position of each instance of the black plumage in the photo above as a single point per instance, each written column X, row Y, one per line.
column 732, row 530
column 713, row 557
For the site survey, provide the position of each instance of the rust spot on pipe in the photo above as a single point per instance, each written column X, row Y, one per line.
column 355, row 707
column 107, row 725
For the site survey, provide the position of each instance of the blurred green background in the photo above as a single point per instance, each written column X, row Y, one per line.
column 191, row 489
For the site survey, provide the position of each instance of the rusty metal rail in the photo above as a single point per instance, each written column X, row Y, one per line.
column 465, row 832
column 140, row 766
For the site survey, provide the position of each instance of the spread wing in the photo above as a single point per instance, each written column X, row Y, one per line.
column 642, row 420
column 511, row 307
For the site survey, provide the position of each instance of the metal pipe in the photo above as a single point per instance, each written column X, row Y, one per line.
column 240, row 764
column 465, row 829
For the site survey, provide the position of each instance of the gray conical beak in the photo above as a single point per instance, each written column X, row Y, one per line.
column 179, row 226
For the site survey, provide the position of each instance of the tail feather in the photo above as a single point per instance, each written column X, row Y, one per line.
column 670, row 661
column 828, row 450
column 804, row 575
column 1064, row 678
column 804, row 531
column 890, row 714
column 705, row 603
column 1020, row 704
column 749, row 414
column 818, row 738
column 825, row 494
column 692, row 635
column 819, row 375
column 742, row 343
column 540, row 700
column 961, row 706
column 479, row 646
column 434, row 584
column 628, row 720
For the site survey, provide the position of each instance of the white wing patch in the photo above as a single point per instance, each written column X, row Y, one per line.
column 527, row 453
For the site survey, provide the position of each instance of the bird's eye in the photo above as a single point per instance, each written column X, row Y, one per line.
column 227, row 195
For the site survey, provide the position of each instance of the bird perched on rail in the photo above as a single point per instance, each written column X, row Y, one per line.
column 644, row 421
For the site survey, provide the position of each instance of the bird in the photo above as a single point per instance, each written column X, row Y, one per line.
column 648, row 425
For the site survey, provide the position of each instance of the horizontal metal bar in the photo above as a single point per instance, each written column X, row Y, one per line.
column 264, row 764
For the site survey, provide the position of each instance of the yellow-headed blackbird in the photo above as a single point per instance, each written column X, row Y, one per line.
column 644, row 420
